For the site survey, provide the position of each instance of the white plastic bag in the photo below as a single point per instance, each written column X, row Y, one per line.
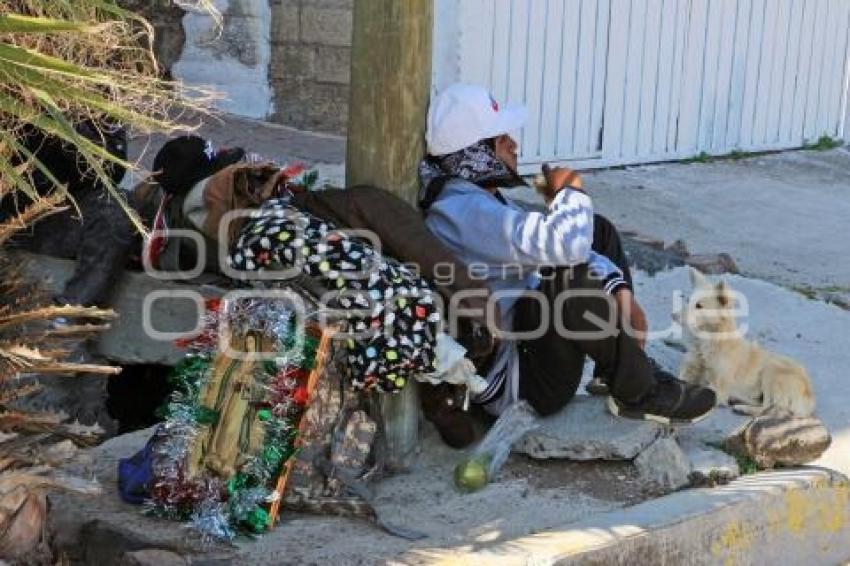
column 487, row 460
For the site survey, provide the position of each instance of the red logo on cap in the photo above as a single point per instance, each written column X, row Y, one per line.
column 494, row 104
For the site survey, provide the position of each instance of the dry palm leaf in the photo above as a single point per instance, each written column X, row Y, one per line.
column 38, row 210
column 23, row 513
column 63, row 63
column 53, row 312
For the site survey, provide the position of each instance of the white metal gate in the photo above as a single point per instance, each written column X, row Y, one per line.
column 611, row 82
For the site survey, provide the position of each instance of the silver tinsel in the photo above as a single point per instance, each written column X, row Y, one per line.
column 211, row 521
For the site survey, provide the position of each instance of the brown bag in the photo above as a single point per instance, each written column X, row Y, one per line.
column 237, row 187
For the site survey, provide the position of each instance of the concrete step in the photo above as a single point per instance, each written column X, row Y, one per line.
column 128, row 342
column 784, row 517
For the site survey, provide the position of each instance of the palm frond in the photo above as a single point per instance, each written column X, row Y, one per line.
column 88, row 60
column 68, row 368
column 41, row 208
column 52, row 312
column 12, row 394
column 16, row 23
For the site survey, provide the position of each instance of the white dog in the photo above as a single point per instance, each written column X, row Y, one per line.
column 742, row 373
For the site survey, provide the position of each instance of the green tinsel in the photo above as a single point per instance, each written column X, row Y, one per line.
column 238, row 482
column 308, row 345
column 186, row 380
column 258, row 521
column 308, row 352
column 188, row 376
column 205, row 415
column 247, row 486
column 272, row 458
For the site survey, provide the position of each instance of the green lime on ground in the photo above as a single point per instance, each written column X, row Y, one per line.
column 471, row 475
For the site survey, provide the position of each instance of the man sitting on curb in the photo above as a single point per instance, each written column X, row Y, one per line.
column 563, row 272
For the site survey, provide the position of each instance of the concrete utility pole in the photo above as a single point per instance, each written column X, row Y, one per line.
column 390, row 87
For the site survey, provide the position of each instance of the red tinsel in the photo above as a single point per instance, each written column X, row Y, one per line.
column 286, row 383
column 300, row 395
column 181, row 493
column 207, row 339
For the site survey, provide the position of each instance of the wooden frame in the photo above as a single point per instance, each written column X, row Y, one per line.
column 322, row 356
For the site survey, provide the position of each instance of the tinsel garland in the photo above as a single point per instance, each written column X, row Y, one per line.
column 220, row 507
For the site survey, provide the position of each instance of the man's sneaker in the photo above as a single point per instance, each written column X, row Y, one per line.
column 671, row 401
column 597, row 385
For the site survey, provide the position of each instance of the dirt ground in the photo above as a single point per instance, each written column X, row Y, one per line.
column 529, row 497
column 617, row 482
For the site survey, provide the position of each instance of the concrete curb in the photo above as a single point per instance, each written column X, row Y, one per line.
column 785, row 517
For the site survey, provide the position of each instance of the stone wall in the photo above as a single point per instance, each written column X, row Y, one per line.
column 286, row 61
column 234, row 59
column 310, row 68
column 169, row 36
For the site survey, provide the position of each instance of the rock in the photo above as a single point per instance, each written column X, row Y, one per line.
column 714, row 429
column 585, row 430
column 104, row 543
column 59, row 453
column 152, row 557
column 648, row 257
column 772, row 440
column 713, row 264
column 597, row 386
column 664, row 463
column 128, row 341
column 709, row 466
column 167, row 21
column 23, row 519
column 679, row 247
column 840, row 299
column 80, row 398
column 648, row 241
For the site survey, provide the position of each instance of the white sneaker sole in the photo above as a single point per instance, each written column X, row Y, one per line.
column 615, row 410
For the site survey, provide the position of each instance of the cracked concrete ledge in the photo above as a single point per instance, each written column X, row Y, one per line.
column 784, row 517
column 174, row 310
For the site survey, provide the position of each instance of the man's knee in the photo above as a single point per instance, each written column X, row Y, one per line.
column 546, row 406
column 604, row 230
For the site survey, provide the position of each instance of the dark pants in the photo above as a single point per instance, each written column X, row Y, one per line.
column 99, row 237
column 551, row 365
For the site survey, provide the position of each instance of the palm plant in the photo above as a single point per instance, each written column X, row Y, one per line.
column 61, row 62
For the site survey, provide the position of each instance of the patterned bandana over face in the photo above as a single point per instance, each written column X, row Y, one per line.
column 477, row 164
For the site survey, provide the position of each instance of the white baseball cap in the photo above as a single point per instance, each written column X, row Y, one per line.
column 463, row 114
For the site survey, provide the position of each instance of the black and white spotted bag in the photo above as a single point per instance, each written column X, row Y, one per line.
column 389, row 310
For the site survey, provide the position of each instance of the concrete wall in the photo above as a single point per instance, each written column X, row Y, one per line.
column 287, row 61
column 166, row 19
column 310, row 69
column 234, row 60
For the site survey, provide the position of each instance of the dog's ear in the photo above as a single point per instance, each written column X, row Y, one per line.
column 724, row 296
column 697, row 278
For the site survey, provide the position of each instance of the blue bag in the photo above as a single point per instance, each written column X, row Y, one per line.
column 135, row 474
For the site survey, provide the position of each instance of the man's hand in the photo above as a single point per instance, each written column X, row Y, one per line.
column 632, row 316
column 554, row 179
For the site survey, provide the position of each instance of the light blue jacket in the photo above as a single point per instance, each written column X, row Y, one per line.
column 507, row 246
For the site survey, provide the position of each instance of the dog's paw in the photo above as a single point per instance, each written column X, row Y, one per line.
column 746, row 410
column 675, row 345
